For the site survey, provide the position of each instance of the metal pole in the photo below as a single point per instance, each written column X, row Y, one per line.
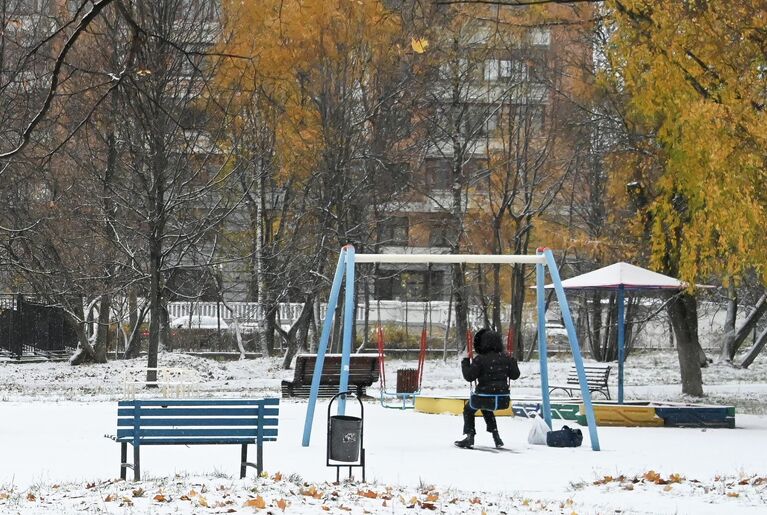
column 621, row 336
column 572, row 337
column 322, row 347
column 542, row 345
column 349, row 321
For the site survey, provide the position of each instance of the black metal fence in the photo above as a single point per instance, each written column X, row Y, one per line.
column 31, row 328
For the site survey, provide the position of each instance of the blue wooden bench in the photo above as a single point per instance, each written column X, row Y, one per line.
column 195, row 422
column 596, row 379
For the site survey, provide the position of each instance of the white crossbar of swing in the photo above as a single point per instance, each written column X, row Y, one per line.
column 450, row 258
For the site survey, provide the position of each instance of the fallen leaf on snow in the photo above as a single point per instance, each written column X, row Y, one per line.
column 370, row 494
column 31, row 497
column 160, row 498
column 282, row 504
column 257, row 502
column 110, row 498
column 652, row 476
column 733, row 494
column 138, row 492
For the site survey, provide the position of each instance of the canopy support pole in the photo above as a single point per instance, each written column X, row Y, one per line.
column 621, row 343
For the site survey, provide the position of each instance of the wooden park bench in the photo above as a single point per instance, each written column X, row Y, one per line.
column 195, row 422
column 363, row 372
column 596, row 378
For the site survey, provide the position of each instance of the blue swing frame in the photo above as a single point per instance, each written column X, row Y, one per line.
column 544, row 258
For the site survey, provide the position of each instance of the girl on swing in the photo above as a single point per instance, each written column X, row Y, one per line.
column 491, row 368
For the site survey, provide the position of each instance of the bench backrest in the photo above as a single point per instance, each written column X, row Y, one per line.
column 170, row 421
column 363, row 369
column 595, row 375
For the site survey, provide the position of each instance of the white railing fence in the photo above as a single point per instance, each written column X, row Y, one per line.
column 436, row 312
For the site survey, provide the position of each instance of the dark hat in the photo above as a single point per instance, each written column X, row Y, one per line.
column 487, row 340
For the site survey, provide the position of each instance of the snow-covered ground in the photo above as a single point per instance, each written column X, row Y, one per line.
column 55, row 459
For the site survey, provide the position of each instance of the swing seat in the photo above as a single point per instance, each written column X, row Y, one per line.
column 399, row 400
column 489, row 401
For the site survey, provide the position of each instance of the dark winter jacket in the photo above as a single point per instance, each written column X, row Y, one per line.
column 492, row 367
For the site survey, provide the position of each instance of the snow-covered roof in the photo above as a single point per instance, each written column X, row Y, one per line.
column 629, row 276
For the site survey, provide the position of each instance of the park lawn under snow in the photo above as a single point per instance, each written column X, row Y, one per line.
column 55, row 459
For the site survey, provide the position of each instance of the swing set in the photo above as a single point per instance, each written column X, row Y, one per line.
column 345, row 271
column 408, row 380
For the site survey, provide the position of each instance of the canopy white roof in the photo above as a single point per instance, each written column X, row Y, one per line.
column 622, row 274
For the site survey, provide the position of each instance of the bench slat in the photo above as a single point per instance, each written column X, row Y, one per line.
column 195, row 412
column 187, row 432
column 154, row 422
column 195, row 441
column 272, row 401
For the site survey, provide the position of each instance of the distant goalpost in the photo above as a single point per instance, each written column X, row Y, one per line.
column 345, row 271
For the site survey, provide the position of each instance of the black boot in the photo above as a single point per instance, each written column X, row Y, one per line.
column 466, row 443
column 497, row 439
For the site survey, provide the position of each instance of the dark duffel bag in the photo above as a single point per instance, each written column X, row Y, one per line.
column 565, row 437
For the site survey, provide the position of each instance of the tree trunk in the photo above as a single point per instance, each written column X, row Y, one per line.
column 270, row 324
column 517, row 307
column 155, row 308
column 84, row 352
column 755, row 350
column 461, row 324
column 291, row 336
column 725, row 353
column 133, row 348
column 102, row 330
column 734, row 342
column 683, row 312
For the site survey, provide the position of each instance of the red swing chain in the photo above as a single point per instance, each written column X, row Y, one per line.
column 381, row 368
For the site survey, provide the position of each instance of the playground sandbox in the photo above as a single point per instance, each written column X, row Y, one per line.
column 628, row 414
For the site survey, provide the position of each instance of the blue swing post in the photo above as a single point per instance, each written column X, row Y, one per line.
column 349, row 314
column 322, row 347
column 572, row 337
column 540, row 276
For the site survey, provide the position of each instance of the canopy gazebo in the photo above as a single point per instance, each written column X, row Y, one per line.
column 620, row 277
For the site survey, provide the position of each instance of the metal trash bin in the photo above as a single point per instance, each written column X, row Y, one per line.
column 407, row 380
column 345, row 438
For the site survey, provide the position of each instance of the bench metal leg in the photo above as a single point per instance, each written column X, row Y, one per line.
column 243, row 460
column 136, row 463
column 123, row 459
column 260, row 458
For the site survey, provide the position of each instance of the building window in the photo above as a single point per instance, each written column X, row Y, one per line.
column 514, row 70
column 394, row 231
column 439, row 173
column 479, row 121
column 491, row 69
column 527, row 118
column 417, row 285
column 441, row 234
column 540, row 36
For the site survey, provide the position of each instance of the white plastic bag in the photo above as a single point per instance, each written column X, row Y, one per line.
column 538, row 432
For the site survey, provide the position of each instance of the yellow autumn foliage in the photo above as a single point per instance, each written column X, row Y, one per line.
column 696, row 76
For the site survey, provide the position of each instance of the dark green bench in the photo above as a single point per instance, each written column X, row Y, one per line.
column 596, row 378
column 195, row 422
column 363, row 372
